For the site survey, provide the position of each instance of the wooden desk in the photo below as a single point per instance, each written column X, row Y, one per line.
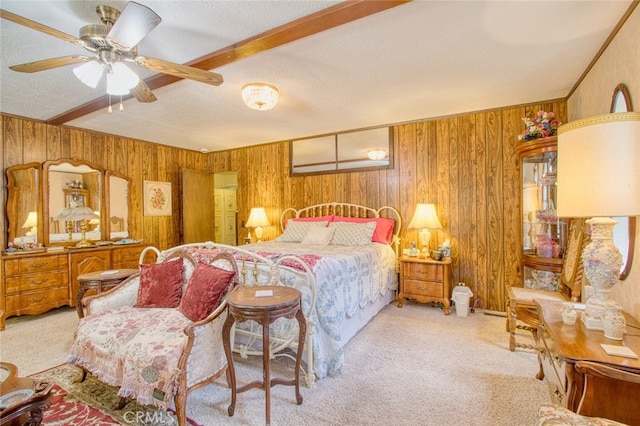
column 16, row 409
column 562, row 346
column 244, row 305
column 100, row 281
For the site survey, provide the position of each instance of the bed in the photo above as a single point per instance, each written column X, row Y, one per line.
column 356, row 275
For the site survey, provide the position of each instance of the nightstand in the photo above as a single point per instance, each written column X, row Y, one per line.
column 425, row 280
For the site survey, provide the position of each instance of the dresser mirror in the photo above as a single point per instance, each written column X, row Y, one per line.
column 118, row 205
column 624, row 231
column 24, row 214
column 41, row 196
column 71, row 185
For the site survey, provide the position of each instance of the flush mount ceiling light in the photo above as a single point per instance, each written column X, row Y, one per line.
column 260, row 96
column 376, row 154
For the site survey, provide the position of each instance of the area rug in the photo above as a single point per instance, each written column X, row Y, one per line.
column 91, row 403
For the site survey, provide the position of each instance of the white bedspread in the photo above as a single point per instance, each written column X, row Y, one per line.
column 348, row 278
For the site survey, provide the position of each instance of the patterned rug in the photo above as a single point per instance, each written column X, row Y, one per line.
column 91, row 403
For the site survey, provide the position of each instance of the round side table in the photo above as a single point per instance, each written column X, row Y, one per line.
column 100, row 281
column 245, row 305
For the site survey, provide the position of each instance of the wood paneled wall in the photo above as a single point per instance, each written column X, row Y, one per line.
column 25, row 141
column 465, row 164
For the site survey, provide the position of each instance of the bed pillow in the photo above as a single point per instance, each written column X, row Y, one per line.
column 206, row 287
column 295, row 231
column 319, row 236
column 352, row 234
column 384, row 227
column 327, row 218
column 160, row 285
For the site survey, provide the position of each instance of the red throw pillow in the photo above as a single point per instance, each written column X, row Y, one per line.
column 384, row 227
column 205, row 290
column 160, row 285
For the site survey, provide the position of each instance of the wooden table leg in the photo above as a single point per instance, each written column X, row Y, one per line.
column 302, row 327
column 231, row 376
column 266, row 349
column 82, row 289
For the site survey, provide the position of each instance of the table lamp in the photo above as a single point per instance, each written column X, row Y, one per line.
column 425, row 218
column 599, row 177
column 64, row 216
column 257, row 219
column 83, row 214
column 31, row 223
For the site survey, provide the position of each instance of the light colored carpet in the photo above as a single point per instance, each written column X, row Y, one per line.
column 409, row 366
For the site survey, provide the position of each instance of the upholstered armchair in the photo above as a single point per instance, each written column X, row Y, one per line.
column 152, row 336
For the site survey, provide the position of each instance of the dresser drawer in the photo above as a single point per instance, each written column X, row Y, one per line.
column 36, row 281
column 33, row 301
column 126, row 256
column 422, row 271
column 35, row 264
column 423, row 288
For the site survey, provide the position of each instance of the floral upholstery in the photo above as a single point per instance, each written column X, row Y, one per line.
column 554, row 415
column 137, row 349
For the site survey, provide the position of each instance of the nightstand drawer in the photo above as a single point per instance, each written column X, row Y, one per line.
column 423, row 271
column 423, row 288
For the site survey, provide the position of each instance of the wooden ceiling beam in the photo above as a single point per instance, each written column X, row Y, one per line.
column 315, row 23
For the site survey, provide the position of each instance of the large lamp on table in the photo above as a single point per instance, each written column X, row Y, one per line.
column 257, row 219
column 599, row 177
column 425, row 219
column 84, row 215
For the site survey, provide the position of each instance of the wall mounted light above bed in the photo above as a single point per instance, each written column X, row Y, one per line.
column 257, row 219
column 425, row 218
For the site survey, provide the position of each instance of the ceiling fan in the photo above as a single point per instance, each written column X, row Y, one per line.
column 113, row 43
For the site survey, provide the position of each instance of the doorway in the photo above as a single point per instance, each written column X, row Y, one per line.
column 226, row 207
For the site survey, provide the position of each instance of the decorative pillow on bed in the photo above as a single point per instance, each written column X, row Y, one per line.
column 352, row 234
column 205, row 290
column 160, row 285
column 384, row 227
column 295, row 231
column 318, row 235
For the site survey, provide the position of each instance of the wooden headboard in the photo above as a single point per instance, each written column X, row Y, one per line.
column 348, row 210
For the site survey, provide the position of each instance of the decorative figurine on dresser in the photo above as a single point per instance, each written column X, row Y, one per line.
column 56, row 232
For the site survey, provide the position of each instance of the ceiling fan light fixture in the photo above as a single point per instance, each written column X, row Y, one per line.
column 89, row 73
column 260, row 96
column 120, row 79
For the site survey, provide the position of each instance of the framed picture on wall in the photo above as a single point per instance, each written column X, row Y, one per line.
column 157, row 198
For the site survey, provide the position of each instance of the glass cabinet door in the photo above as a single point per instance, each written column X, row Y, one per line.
column 544, row 235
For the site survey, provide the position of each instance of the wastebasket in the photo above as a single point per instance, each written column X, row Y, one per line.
column 461, row 295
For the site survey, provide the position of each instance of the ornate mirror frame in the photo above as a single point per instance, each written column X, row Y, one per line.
column 118, row 205
column 24, row 196
column 621, row 102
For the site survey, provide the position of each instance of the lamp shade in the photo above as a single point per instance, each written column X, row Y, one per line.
column 257, row 217
column 598, row 173
column 89, row 73
column 120, row 79
column 63, row 214
column 82, row 213
column 32, row 220
column 425, row 216
column 260, row 96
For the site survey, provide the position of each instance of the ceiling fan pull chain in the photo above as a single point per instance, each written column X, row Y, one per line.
column 109, row 110
column 121, row 106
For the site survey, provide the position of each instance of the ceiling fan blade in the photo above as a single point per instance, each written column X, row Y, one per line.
column 47, row 64
column 177, row 70
column 143, row 93
column 40, row 27
column 134, row 23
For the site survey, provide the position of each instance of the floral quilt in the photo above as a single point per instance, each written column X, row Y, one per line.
column 348, row 278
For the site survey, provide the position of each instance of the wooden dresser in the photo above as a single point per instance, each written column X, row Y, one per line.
column 34, row 283
column 562, row 346
column 425, row 280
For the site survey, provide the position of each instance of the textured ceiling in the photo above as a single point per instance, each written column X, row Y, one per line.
column 419, row 60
